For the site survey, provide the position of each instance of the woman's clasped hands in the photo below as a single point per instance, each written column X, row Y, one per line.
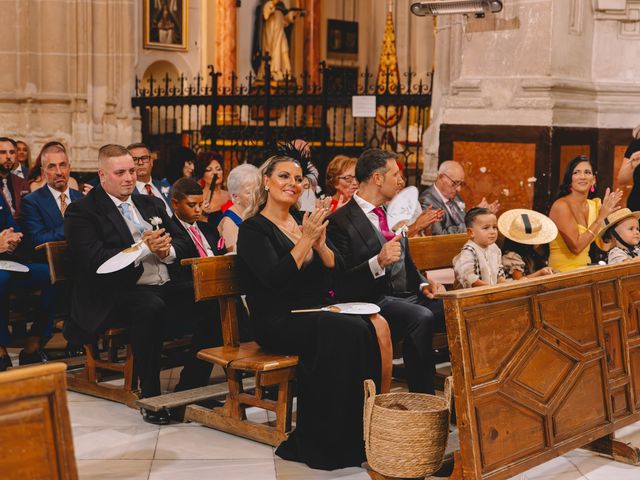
column 314, row 224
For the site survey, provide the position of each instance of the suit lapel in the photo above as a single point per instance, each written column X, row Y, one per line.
column 363, row 226
column 114, row 215
column 50, row 206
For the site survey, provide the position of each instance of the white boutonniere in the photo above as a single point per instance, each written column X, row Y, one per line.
column 165, row 190
column 156, row 222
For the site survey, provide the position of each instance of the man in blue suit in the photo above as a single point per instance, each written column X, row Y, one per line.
column 43, row 210
column 37, row 278
column 145, row 185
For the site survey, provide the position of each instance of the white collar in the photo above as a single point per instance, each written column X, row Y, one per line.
column 363, row 204
column 119, row 202
column 186, row 225
column 140, row 184
column 442, row 197
column 56, row 194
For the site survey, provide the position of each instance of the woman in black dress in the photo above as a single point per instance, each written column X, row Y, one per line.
column 286, row 265
column 629, row 173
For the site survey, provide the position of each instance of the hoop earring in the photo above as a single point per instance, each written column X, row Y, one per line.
column 570, row 189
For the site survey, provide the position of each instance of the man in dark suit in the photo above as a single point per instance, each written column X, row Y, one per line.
column 145, row 185
column 97, row 227
column 377, row 267
column 13, row 187
column 43, row 210
column 203, row 318
column 37, row 278
column 444, row 195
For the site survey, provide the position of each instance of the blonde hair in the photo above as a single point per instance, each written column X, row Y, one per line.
column 338, row 165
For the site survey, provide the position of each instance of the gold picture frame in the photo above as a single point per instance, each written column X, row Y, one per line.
column 166, row 24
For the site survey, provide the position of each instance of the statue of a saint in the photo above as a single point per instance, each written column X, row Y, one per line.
column 272, row 24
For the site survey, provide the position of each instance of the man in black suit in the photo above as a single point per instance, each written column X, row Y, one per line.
column 12, row 186
column 97, row 227
column 203, row 318
column 378, row 267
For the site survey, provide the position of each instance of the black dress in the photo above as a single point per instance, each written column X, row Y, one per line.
column 337, row 352
column 633, row 202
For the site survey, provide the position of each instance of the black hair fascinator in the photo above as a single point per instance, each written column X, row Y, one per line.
column 298, row 151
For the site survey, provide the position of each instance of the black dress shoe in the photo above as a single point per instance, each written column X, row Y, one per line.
column 5, row 362
column 161, row 417
column 34, row 357
column 74, row 350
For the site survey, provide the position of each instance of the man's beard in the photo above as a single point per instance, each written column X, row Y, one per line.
column 4, row 170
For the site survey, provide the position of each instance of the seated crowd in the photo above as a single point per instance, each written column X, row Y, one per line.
column 338, row 248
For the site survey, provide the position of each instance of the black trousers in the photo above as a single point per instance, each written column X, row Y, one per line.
column 413, row 320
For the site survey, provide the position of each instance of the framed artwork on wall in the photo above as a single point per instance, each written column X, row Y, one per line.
column 342, row 39
column 166, row 24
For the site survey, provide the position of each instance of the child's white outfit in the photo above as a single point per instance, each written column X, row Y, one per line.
column 618, row 254
column 476, row 263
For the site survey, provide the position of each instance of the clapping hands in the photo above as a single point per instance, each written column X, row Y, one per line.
column 314, row 224
column 158, row 242
column 9, row 240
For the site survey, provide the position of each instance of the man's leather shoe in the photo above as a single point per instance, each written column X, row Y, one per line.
column 161, row 417
column 34, row 357
column 5, row 362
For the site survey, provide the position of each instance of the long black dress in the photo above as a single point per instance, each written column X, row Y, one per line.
column 633, row 202
column 337, row 352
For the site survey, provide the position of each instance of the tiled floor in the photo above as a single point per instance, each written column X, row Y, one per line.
column 112, row 442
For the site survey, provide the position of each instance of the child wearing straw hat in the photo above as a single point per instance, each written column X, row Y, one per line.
column 525, row 251
column 479, row 261
column 621, row 228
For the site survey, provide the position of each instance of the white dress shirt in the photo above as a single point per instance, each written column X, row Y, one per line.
column 56, row 195
column 376, row 270
column 205, row 244
column 143, row 191
column 155, row 269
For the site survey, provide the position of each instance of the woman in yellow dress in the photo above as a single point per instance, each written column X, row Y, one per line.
column 577, row 216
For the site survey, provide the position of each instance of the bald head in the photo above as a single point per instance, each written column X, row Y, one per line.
column 450, row 179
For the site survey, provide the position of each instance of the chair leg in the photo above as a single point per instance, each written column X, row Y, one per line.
column 90, row 367
column 232, row 404
column 284, row 406
column 128, row 370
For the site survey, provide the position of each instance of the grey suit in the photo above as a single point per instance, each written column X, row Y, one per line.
column 447, row 225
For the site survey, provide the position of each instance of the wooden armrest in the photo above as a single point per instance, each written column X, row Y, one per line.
column 191, row 261
column 48, row 245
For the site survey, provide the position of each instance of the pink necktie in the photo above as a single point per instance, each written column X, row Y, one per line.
column 197, row 239
column 384, row 226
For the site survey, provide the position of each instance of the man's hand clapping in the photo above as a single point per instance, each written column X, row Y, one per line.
column 158, row 242
column 492, row 207
column 9, row 240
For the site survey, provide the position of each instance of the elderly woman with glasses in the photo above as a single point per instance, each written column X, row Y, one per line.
column 341, row 182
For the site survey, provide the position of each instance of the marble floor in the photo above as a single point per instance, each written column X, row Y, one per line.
column 112, row 442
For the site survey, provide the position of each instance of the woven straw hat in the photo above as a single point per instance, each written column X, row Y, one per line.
column 527, row 227
column 616, row 217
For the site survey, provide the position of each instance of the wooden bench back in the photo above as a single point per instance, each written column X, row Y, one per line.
column 34, row 424
column 56, row 253
column 435, row 252
column 217, row 278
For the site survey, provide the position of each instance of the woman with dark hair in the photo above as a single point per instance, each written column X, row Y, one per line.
column 182, row 164
column 211, row 177
column 629, row 173
column 578, row 215
column 286, row 264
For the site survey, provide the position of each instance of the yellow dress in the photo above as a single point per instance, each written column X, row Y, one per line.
column 561, row 258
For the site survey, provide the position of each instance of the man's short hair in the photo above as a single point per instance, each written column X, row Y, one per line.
column 51, row 148
column 10, row 140
column 185, row 187
column 371, row 161
column 111, row 150
column 137, row 145
column 474, row 213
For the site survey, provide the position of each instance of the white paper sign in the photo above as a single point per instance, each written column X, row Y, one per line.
column 363, row 106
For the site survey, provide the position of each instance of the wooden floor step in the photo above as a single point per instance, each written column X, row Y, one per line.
column 187, row 397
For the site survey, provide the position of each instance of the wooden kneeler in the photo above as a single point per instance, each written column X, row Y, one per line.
column 88, row 380
column 216, row 278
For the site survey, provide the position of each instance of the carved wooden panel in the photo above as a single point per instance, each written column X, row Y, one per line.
column 544, row 366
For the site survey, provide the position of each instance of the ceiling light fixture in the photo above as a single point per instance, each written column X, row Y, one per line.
column 479, row 8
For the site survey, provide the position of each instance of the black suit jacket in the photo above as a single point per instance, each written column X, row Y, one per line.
column 355, row 238
column 210, row 233
column 95, row 231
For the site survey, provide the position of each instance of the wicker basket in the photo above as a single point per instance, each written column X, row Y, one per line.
column 406, row 433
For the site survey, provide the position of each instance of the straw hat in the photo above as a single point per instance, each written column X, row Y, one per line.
column 616, row 217
column 527, row 227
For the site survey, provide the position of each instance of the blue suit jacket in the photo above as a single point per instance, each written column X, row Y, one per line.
column 6, row 219
column 41, row 216
column 160, row 184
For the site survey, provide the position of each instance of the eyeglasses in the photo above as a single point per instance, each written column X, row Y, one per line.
column 455, row 183
column 142, row 159
column 347, row 178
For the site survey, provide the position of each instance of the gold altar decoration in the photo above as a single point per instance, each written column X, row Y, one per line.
column 388, row 75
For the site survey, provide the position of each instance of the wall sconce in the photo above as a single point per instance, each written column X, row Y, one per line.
column 451, row 7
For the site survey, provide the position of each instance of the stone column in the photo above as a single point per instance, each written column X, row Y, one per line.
column 312, row 47
column 225, row 50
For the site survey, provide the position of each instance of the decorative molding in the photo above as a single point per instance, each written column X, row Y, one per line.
column 576, row 17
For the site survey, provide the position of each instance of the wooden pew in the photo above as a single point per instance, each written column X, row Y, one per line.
column 88, row 380
column 217, row 278
column 435, row 252
column 35, row 431
column 544, row 366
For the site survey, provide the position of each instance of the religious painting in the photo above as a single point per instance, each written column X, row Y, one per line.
column 165, row 24
column 342, row 38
